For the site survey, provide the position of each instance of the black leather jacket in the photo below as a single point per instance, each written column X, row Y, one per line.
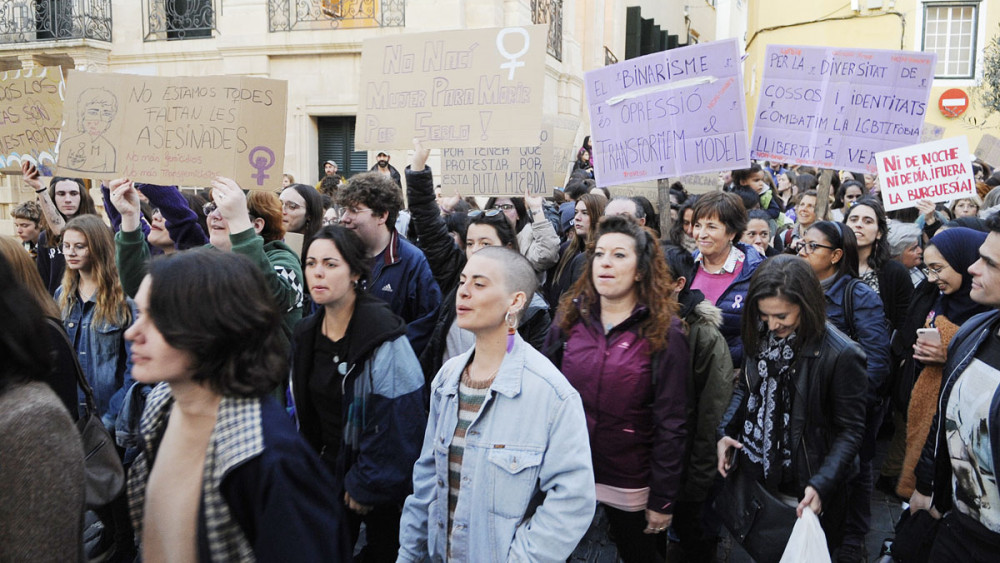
column 828, row 410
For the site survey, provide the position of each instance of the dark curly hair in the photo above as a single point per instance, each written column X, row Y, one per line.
column 376, row 192
column 654, row 288
column 217, row 307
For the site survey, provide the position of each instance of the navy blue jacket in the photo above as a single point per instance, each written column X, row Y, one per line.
column 870, row 328
column 286, row 468
column 731, row 301
column 933, row 471
column 402, row 278
column 384, row 413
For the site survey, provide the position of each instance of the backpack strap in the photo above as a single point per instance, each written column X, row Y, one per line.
column 849, row 307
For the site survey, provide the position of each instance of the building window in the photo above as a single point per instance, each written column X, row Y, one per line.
column 950, row 30
column 298, row 15
column 550, row 12
column 24, row 21
column 179, row 19
column 336, row 143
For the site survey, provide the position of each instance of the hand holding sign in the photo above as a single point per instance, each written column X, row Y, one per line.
column 232, row 204
column 125, row 198
column 31, row 175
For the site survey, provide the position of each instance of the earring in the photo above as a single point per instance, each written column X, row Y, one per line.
column 511, row 319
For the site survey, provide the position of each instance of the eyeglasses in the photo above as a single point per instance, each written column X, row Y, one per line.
column 504, row 206
column 927, row 270
column 488, row 213
column 208, row 208
column 810, row 247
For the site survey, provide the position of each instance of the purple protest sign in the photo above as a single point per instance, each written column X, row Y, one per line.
column 668, row 114
column 835, row 107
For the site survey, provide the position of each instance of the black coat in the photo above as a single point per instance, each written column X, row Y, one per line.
column 896, row 290
column 828, row 411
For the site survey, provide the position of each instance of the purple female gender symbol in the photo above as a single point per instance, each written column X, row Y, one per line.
column 261, row 163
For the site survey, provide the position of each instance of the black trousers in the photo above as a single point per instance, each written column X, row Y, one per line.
column 633, row 545
column 381, row 532
column 962, row 539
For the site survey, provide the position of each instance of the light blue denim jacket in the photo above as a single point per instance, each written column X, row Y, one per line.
column 530, row 437
column 100, row 349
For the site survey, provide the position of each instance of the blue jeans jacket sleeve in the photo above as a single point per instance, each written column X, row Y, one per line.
column 567, row 479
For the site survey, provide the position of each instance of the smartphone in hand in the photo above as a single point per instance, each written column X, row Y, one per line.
column 929, row 336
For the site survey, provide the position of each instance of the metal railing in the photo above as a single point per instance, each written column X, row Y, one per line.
column 609, row 57
column 26, row 21
column 168, row 20
column 550, row 12
column 297, row 15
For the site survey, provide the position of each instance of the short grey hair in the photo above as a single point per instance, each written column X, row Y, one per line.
column 901, row 237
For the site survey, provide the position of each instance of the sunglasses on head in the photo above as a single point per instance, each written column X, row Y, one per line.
column 488, row 213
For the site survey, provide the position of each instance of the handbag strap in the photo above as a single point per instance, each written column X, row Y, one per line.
column 81, row 380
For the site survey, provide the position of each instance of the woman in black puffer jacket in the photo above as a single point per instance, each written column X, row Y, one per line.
column 489, row 228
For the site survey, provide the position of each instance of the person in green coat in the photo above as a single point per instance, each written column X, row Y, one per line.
column 712, row 380
column 246, row 224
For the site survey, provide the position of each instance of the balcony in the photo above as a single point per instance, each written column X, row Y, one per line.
column 299, row 15
column 172, row 20
column 29, row 21
column 550, row 12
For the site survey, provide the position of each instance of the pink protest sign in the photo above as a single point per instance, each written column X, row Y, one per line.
column 668, row 114
column 936, row 171
column 836, row 107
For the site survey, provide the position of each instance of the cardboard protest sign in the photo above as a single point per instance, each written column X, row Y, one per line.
column 174, row 130
column 700, row 183
column 452, row 89
column 836, row 107
column 496, row 171
column 988, row 150
column 937, row 171
column 668, row 114
column 30, row 116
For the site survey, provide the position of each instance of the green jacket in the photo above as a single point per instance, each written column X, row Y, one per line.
column 712, row 382
column 276, row 261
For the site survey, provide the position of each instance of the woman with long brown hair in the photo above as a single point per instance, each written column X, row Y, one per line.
column 96, row 312
column 618, row 340
column 62, row 377
column 588, row 210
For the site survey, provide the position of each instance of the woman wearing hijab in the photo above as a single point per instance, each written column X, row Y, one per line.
column 942, row 302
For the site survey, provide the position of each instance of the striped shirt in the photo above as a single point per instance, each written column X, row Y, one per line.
column 471, row 395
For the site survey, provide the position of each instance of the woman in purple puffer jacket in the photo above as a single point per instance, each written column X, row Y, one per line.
column 618, row 340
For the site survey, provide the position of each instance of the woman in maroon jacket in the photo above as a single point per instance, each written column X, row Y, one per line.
column 620, row 343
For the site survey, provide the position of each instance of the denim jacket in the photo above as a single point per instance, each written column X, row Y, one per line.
column 105, row 356
column 528, row 445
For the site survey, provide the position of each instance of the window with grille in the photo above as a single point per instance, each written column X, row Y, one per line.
column 950, row 31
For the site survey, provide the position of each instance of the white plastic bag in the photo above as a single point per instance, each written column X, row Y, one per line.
column 808, row 542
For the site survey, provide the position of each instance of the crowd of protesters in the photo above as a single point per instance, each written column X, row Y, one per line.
column 424, row 379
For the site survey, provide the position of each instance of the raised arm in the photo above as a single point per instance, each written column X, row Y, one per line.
column 53, row 218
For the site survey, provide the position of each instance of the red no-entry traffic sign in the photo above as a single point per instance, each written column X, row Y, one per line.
column 953, row 103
